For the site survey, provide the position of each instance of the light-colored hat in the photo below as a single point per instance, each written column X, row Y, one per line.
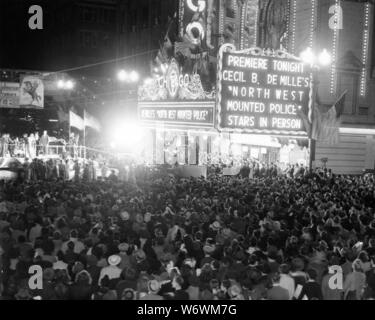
column 123, row 247
column 125, row 215
column 215, row 226
column 209, row 249
column 147, row 217
column 154, row 286
column 114, row 260
column 234, row 291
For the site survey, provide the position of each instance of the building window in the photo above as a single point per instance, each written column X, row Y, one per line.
column 349, row 81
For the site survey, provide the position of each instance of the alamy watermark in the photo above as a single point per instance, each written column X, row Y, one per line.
column 36, row 20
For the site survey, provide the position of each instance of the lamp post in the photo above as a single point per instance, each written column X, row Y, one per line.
column 316, row 61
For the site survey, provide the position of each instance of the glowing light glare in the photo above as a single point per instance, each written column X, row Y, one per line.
column 122, row 75
column 134, row 76
column 148, row 81
column 65, row 85
column 128, row 136
column 308, row 56
column 69, row 85
column 60, row 84
column 236, row 150
column 325, row 58
column 164, row 68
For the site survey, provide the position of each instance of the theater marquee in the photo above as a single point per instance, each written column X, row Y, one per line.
column 188, row 114
column 176, row 99
column 262, row 91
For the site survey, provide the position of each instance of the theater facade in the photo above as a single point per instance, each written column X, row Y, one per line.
column 254, row 113
column 259, row 107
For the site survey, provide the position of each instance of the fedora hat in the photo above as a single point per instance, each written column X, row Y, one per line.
column 114, row 260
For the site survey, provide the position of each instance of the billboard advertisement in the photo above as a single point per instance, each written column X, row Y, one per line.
column 9, row 94
column 31, row 92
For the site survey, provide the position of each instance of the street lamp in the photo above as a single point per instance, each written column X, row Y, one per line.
column 65, row 85
column 323, row 59
column 129, row 77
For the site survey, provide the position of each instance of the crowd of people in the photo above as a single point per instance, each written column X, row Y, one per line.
column 158, row 236
column 33, row 145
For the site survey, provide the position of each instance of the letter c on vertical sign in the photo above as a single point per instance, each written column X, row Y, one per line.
column 189, row 30
column 200, row 8
column 36, row 20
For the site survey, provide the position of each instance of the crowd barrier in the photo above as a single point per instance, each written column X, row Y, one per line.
column 53, row 151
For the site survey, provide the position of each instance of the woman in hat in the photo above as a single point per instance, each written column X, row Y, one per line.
column 112, row 271
column 354, row 283
column 153, row 290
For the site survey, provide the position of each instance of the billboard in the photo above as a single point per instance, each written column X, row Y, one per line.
column 31, row 92
column 262, row 91
column 9, row 94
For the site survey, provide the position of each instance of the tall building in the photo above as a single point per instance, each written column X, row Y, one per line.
column 346, row 30
column 143, row 25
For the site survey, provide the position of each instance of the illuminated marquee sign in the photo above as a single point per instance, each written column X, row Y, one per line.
column 174, row 85
column 262, row 91
column 195, row 115
column 176, row 100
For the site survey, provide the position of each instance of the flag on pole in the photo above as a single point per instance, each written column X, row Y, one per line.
column 76, row 121
column 92, row 122
column 326, row 126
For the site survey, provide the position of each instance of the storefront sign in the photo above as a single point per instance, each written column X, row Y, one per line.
column 198, row 115
column 9, row 95
column 262, row 91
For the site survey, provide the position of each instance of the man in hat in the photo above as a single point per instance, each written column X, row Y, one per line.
column 153, row 290
column 112, row 271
